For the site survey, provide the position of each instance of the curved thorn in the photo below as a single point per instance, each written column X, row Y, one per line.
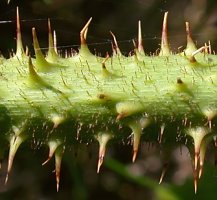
column 53, row 145
column 15, row 141
column 116, row 50
column 83, row 33
column 41, row 63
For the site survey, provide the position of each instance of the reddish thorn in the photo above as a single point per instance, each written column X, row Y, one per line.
column 164, row 30
column 134, row 155
column 195, row 181
column 83, row 33
column 115, row 45
column 200, row 171
column 140, row 46
column 163, row 173
column 196, row 157
column 100, row 162
column 161, row 133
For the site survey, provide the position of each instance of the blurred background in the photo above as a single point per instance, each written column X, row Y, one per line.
column 119, row 178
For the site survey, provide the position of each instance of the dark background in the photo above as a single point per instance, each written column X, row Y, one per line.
column 68, row 17
column 28, row 179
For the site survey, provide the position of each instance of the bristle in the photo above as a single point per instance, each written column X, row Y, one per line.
column 116, row 50
column 192, row 58
column 201, row 49
column 55, row 41
column 209, row 47
column 52, row 55
column 105, row 72
column 165, row 49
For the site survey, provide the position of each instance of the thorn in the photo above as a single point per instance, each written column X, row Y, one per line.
column 83, row 33
column 195, row 181
column 140, row 46
column 128, row 108
column 57, row 120
column 161, row 132
column 116, row 50
column 198, row 135
column 41, row 63
column 20, row 51
column 52, row 55
column 58, row 160
column 27, row 51
column 84, row 50
column 163, row 172
column 215, row 140
column 210, row 114
column 136, row 131
column 53, row 145
column 190, row 47
column 103, row 138
column 196, row 158
column 165, row 49
column 200, row 169
column 203, row 149
column 15, row 141
column 34, row 78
